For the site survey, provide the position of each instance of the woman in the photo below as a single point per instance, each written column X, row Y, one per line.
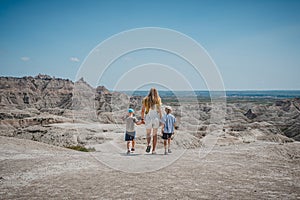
column 151, row 115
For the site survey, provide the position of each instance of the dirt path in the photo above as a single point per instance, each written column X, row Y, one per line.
column 32, row 170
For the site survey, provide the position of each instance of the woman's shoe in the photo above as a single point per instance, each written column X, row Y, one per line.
column 148, row 149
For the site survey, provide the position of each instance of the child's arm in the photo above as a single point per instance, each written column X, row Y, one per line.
column 175, row 125
column 139, row 122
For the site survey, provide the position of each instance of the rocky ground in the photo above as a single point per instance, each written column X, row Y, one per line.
column 261, row 170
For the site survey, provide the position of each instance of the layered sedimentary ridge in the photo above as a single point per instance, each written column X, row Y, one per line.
column 31, row 108
column 45, row 92
column 29, row 105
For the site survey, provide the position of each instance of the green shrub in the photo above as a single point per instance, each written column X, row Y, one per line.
column 81, row 148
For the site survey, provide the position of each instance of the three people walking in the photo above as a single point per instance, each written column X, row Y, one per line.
column 152, row 117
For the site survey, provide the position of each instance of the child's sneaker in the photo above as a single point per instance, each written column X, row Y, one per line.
column 128, row 151
column 132, row 149
column 166, row 153
column 169, row 151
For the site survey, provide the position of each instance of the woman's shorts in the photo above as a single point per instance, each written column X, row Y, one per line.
column 167, row 135
column 129, row 136
column 152, row 120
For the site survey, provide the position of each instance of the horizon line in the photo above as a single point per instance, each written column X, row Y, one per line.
column 130, row 90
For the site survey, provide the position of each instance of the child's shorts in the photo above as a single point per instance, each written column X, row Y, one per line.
column 167, row 135
column 129, row 136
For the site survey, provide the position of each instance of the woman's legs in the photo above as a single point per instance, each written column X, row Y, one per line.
column 148, row 135
column 154, row 139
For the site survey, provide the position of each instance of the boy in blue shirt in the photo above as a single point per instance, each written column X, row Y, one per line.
column 168, row 121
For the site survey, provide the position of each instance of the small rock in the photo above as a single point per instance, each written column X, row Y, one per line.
column 250, row 115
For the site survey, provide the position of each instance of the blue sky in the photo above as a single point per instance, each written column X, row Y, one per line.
column 255, row 44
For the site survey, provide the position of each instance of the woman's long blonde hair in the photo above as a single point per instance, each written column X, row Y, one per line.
column 152, row 99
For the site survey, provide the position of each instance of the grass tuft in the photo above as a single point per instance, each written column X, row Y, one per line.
column 81, row 148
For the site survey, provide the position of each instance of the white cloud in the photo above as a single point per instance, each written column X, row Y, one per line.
column 74, row 59
column 25, row 58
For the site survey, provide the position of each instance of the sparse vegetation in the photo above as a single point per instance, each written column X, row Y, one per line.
column 81, row 148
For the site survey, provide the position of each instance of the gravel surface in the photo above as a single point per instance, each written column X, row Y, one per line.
column 260, row 170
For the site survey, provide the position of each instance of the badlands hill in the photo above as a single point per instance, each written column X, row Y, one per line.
column 57, row 96
column 31, row 108
column 29, row 105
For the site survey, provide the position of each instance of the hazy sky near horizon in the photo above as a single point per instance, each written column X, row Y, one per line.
column 254, row 43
